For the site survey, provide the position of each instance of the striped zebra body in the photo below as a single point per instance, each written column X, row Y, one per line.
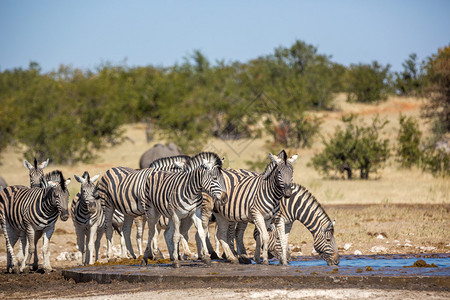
column 179, row 195
column 88, row 219
column 302, row 206
column 33, row 211
column 124, row 189
column 254, row 198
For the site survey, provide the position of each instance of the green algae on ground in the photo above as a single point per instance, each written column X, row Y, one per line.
column 421, row 264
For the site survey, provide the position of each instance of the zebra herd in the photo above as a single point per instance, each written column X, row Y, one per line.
column 171, row 194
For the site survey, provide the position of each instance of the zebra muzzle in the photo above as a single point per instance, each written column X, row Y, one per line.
column 64, row 215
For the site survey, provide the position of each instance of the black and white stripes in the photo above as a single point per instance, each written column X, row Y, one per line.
column 34, row 211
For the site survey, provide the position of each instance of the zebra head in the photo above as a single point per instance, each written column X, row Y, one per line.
column 59, row 194
column 88, row 191
column 284, row 171
column 213, row 182
column 325, row 245
column 36, row 171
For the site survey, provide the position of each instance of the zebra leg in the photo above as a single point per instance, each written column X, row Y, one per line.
column 22, row 245
column 100, row 231
column 140, row 224
column 168, row 237
column 11, row 265
column 109, row 211
column 37, row 237
column 222, row 235
column 176, row 239
column 217, row 249
column 31, row 249
column 212, row 252
column 126, row 229
column 264, row 236
column 80, row 243
column 152, row 220
column 240, row 247
column 231, row 236
column 280, row 227
column 92, row 238
column 46, row 248
column 196, row 217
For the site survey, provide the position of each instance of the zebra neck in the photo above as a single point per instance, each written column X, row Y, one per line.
column 47, row 207
column 193, row 184
column 305, row 208
column 272, row 189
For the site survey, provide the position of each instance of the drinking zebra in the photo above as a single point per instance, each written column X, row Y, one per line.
column 36, row 171
column 34, row 211
column 88, row 218
column 302, row 206
column 179, row 195
column 254, row 198
column 124, row 189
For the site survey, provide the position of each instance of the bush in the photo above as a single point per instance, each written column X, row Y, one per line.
column 410, row 81
column 368, row 83
column 408, row 139
column 356, row 147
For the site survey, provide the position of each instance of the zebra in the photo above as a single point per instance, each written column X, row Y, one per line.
column 302, row 206
column 178, row 196
column 34, row 211
column 123, row 189
column 88, row 218
column 254, row 198
column 36, row 171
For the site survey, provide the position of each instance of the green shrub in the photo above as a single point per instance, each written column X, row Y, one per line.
column 355, row 147
column 408, row 142
column 368, row 83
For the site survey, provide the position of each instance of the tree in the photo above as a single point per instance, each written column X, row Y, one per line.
column 409, row 82
column 408, row 142
column 368, row 83
column 438, row 90
column 357, row 147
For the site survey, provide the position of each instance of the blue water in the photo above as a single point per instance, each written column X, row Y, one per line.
column 381, row 263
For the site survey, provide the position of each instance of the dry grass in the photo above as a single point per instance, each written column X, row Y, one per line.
column 421, row 225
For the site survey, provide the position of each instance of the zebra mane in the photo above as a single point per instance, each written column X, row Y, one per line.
column 297, row 188
column 56, row 176
column 197, row 160
column 35, row 163
column 167, row 161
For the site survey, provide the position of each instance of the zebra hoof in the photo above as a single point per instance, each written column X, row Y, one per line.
column 143, row 262
column 245, row 260
column 176, row 264
column 214, row 255
column 207, row 261
column 234, row 261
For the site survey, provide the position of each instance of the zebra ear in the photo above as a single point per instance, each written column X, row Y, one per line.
column 27, row 164
column 44, row 163
column 67, row 182
column 292, row 159
column 79, row 179
column 274, row 158
column 93, row 179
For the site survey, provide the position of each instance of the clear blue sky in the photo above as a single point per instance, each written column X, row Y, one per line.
column 86, row 33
